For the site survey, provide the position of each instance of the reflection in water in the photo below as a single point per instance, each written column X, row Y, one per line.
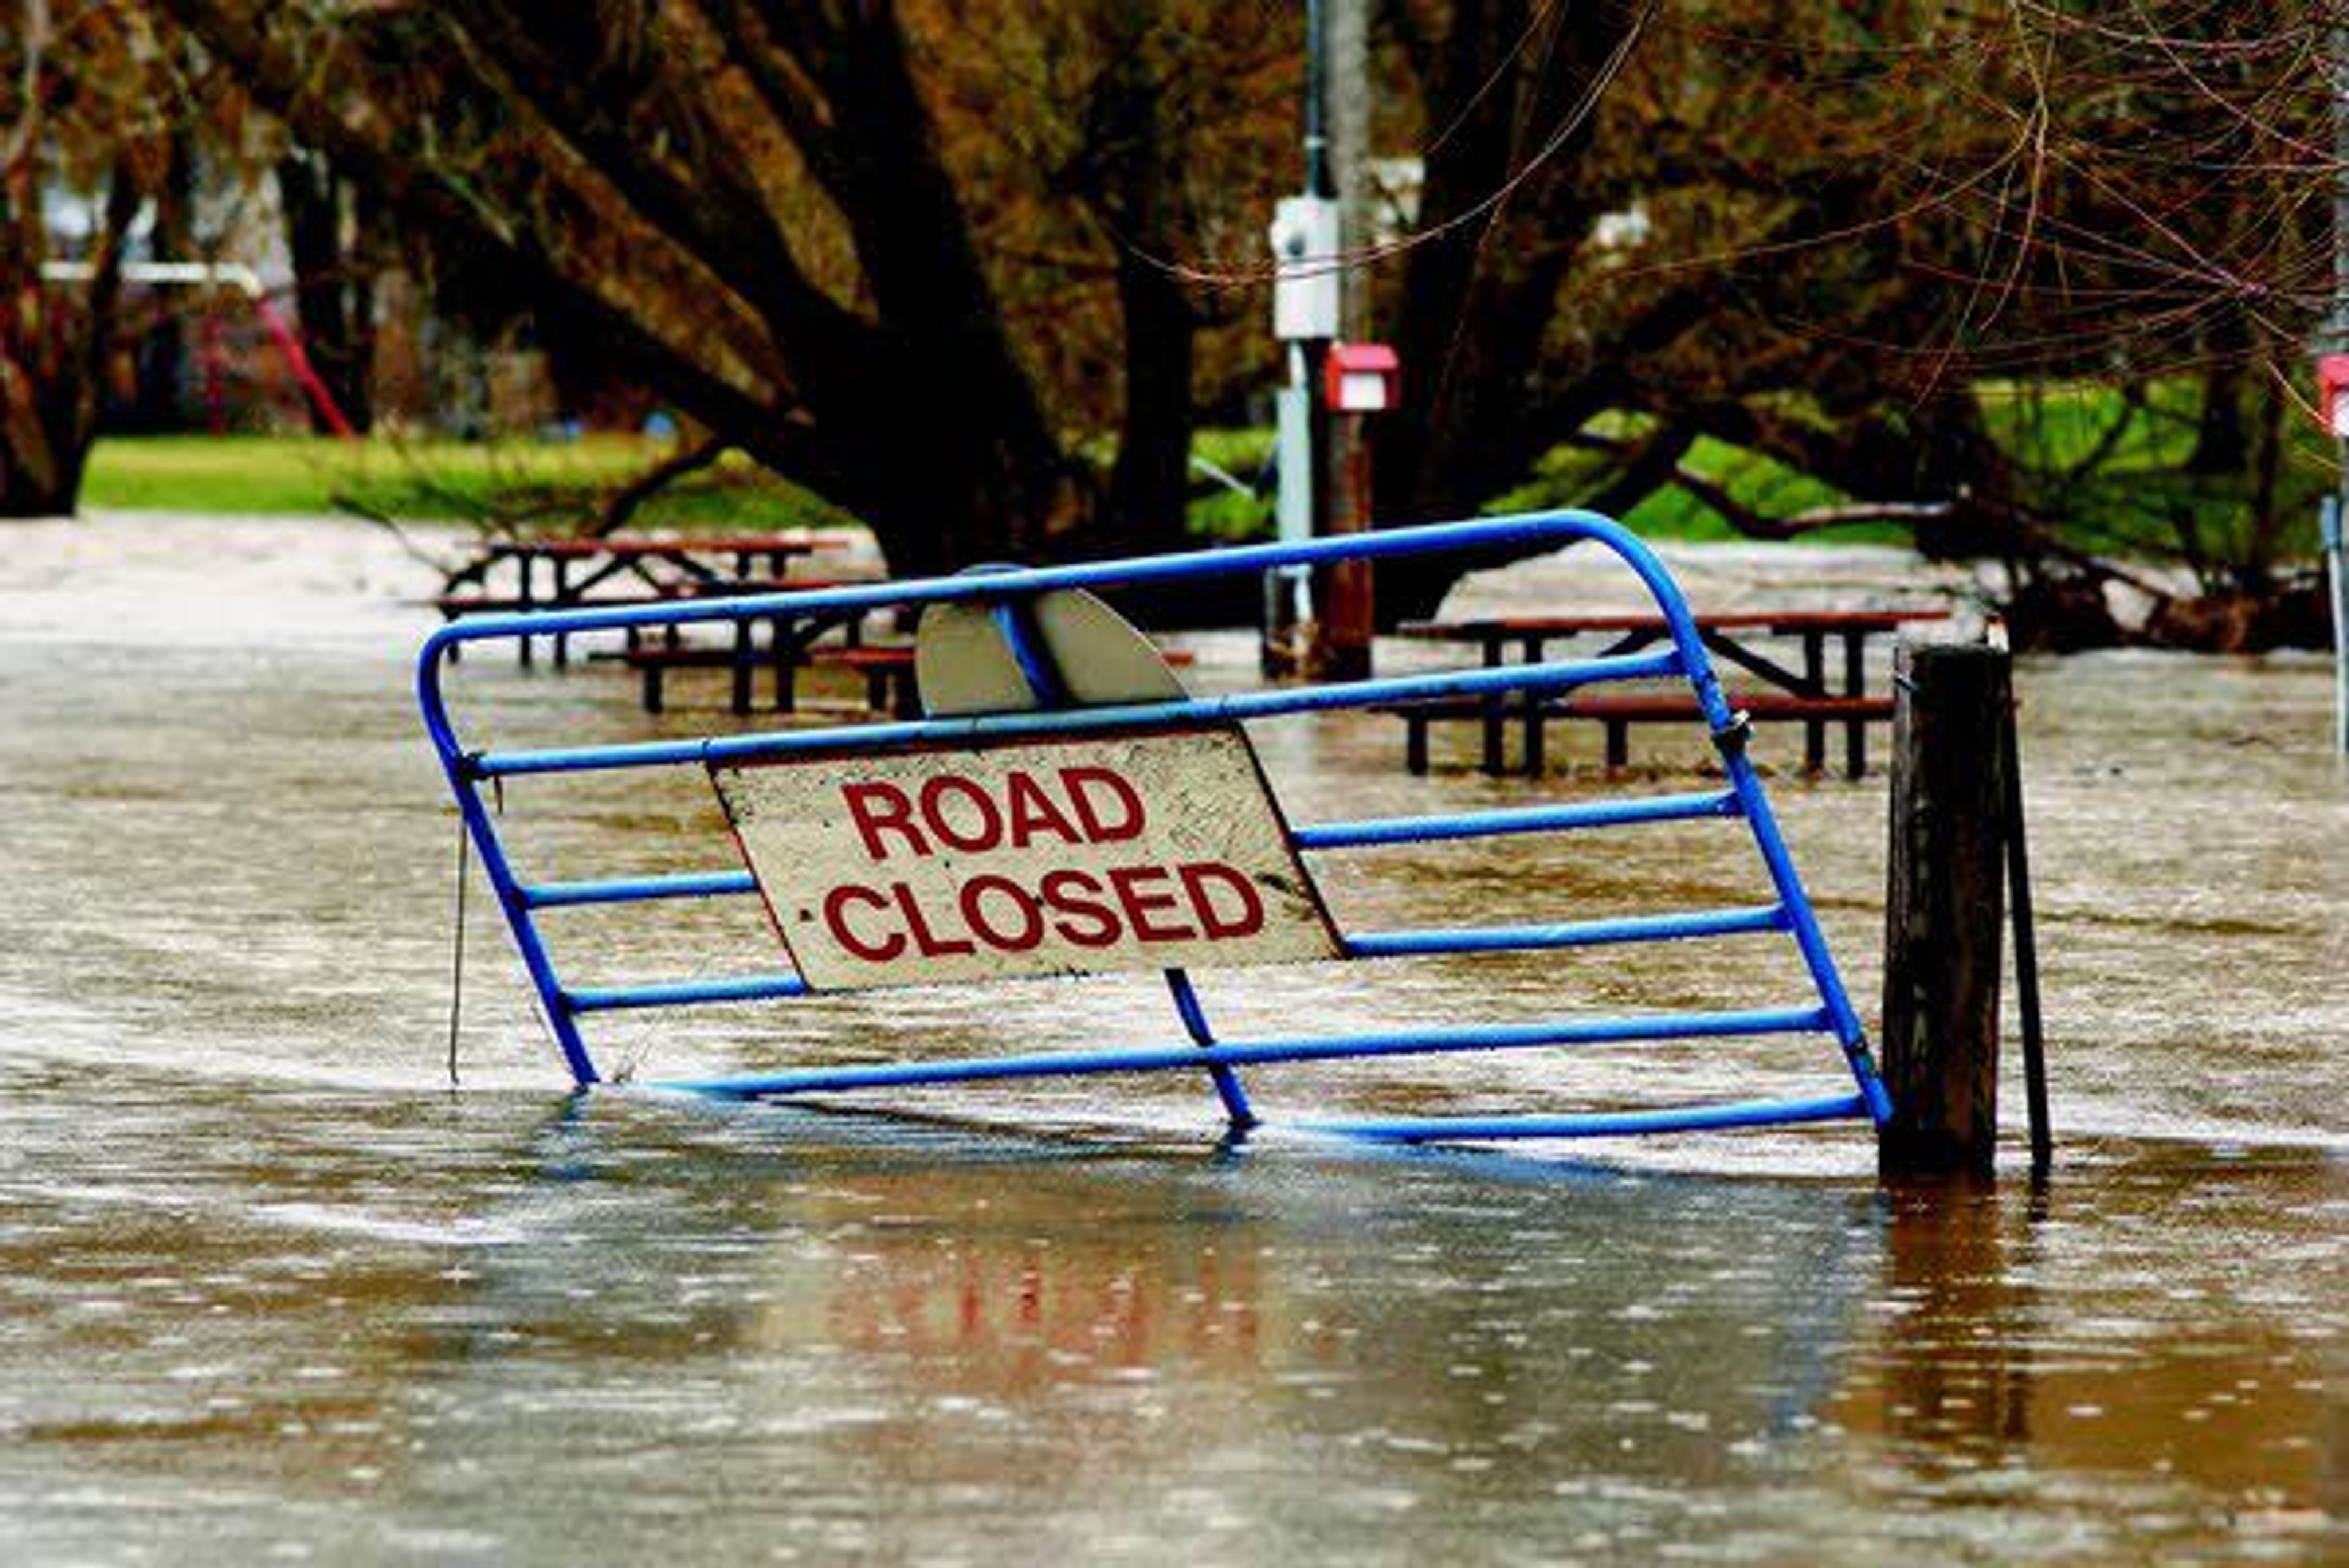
column 1985, row 1369
column 1956, row 1380
column 980, row 1326
column 654, row 1327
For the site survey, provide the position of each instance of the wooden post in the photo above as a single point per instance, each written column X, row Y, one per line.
column 1944, row 911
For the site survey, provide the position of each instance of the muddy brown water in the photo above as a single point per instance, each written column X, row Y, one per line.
column 270, row 1290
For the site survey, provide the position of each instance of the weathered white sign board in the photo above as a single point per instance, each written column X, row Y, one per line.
column 1162, row 851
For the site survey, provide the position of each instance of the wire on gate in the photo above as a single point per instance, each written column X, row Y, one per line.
column 457, row 952
column 456, row 957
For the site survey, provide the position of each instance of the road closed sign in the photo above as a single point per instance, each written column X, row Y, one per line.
column 1162, row 851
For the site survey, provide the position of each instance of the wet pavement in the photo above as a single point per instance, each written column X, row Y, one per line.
column 273, row 1291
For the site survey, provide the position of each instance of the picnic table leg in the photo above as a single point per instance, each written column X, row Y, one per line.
column 745, row 656
column 1531, row 648
column 1492, row 716
column 653, row 694
column 1415, row 744
column 1855, row 684
column 783, row 653
column 562, row 587
column 1618, row 743
column 526, row 570
column 1815, row 681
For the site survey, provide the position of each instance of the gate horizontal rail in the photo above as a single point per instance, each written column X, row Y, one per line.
column 1683, row 657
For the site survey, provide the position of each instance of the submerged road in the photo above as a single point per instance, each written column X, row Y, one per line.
column 269, row 1290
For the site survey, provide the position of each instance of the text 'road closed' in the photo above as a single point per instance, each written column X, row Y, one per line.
column 1057, row 856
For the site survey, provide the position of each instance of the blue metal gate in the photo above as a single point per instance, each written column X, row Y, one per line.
column 1829, row 1015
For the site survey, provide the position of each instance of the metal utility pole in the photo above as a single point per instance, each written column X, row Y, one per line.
column 2331, row 372
column 1322, row 627
column 1304, row 318
column 1339, row 645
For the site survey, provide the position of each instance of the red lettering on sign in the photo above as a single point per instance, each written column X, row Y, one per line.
column 1198, row 876
column 835, row 920
column 931, row 946
column 1030, row 931
column 1083, row 905
column 882, row 807
column 1139, row 906
column 1082, row 784
column 1032, row 812
column 990, row 830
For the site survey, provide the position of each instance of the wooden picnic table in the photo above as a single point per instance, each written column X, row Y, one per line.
column 658, row 566
column 1812, row 694
column 886, row 669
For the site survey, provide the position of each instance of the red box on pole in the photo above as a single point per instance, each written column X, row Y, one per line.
column 1367, row 378
column 2333, row 389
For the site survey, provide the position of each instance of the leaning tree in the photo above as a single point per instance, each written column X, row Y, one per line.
column 872, row 249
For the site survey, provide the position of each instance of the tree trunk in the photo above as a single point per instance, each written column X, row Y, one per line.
column 1502, row 80
column 1148, row 491
column 53, row 352
column 2255, row 562
column 161, row 361
column 1134, row 180
column 2222, row 443
column 332, row 283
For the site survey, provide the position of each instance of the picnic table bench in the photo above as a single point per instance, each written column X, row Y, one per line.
column 656, row 568
column 1807, row 695
column 888, row 672
column 887, row 669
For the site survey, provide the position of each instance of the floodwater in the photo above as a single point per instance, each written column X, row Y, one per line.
column 271, row 1290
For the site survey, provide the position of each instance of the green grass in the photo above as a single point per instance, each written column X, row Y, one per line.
column 293, row 474
column 2054, row 425
column 1568, row 476
column 1218, row 514
column 2137, row 499
column 2132, row 494
column 547, row 485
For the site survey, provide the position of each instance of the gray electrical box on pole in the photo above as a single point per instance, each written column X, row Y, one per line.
column 1317, row 299
column 1306, row 278
column 1304, row 316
